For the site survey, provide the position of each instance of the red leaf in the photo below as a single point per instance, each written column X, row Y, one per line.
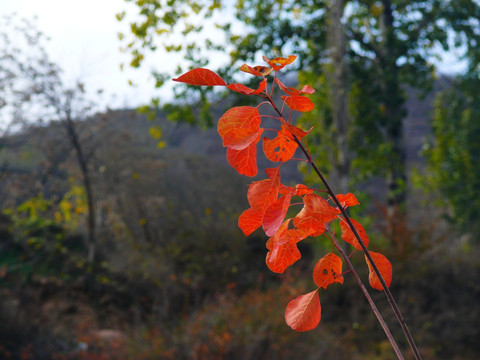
column 288, row 90
column 281, row 148
column 250, row 220
column 245, row 160
column 292, row 91
column 347, row 200
column 261, row 194
column 349, row 237
column 279, row 62
column 315, row 214
column 297, row 190
column 299, row 133
column 283, row 247
column 298, row 103
column 281, row 236
column 239, row 127
column 256, row 70
column 385, row 268
column 245, row 90
column 281, row 256
column 328, row 270
column 275, row 215
column 307, row 89
column 304, row 312
column 203, row 77
column 301, row 190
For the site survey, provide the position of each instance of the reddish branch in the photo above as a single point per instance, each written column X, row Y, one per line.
column 332, row 194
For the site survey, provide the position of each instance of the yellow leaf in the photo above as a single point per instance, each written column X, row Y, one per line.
column 155, row 132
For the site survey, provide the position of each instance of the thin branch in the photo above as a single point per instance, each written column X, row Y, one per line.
column 367, row 295
column 387, row 292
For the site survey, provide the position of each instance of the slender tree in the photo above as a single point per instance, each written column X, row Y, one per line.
column 31, row 90
column 338, row 86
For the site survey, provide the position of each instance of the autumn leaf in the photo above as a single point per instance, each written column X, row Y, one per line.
column 256, row 70
column 273, row 174
column 385, row 268
column 307, row 89
column 297, row 190
column 245, row 160
column 239, row 127
column 292, row 91
column 250, row 220
column 301, row 190
column 298, row 103
column 281, row 148
column 349, row 237
column 299, row 133
column 315, row 214
column 261, row 194
column 279, row 62
column 328, row 270
column 275, row 214
column 304, row 312
column 201, row 77
column 288, row 90
column 245, row 90
column 283, row 251
column 347, row 200
column 280, row 257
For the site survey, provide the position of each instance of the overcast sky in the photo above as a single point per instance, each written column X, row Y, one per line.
column 84, row 42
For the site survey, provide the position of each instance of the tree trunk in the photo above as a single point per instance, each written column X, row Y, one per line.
column 338, row 94
column 82, row 161
column 394, row 101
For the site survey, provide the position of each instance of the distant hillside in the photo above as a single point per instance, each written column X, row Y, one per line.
column 45, row 152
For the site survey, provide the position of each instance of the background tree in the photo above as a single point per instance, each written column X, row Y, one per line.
column 453, row 154
column 32, row 92
column 389, row 45
column 20, row 73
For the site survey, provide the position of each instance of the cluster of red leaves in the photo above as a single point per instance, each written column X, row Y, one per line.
column 269, row 199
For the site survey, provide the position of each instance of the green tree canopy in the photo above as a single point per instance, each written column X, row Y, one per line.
column 453, row 154
column 389, row 44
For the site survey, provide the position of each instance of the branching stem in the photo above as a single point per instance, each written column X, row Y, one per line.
column 365, row 292
column 388, row 294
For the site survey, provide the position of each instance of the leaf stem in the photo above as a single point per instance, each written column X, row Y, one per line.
column 367, row 295
column 388, row 294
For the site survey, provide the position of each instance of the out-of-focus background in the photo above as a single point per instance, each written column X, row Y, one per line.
column 118, row 224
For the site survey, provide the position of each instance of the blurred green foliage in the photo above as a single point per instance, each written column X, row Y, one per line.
column 38, row 244
column 388, row 46
column 453, row 154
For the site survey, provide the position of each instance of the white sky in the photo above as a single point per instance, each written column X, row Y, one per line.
column 84, row 43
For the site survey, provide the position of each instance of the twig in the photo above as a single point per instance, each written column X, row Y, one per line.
column 388, row 294
column 367, row 295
